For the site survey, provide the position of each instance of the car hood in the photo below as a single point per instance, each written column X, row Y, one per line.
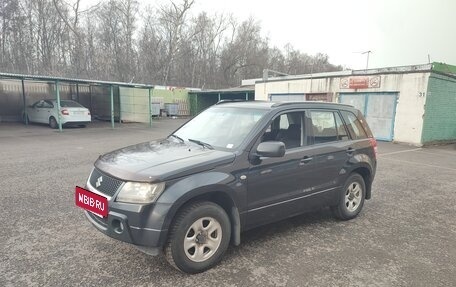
column 160, row 161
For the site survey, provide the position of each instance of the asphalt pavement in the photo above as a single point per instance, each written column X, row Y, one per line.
column 405, row 235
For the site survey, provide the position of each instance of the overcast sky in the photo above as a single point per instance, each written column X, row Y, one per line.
column 398, row 32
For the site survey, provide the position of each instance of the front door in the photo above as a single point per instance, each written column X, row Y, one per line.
column 275, row 185
column 34, row 113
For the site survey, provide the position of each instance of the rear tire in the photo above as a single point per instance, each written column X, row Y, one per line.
column 351, row 199
column 53, row 123
column 198, row 238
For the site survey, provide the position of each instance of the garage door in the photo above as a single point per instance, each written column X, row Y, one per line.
column 379, row 110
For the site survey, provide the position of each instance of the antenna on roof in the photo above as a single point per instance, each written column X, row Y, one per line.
column 367, row 59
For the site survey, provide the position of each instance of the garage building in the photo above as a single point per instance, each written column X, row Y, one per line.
column 410, row 104
column 111, row 101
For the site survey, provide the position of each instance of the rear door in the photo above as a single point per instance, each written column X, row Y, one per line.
column 332, row 148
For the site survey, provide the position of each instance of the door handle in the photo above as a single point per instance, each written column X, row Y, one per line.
column 305, row 160
column 350, row 151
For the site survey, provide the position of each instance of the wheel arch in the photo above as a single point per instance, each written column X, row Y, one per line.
column 366, row 174
column 215, row 195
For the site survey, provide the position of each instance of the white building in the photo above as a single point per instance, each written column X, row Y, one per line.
column 412, row 104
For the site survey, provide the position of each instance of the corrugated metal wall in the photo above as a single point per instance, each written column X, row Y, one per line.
column 440, row 110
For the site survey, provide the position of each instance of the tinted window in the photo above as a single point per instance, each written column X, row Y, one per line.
column 286, row 128
column 354, row 126
column 48, row 105
column 38, row 104
column 324, row 126
column 70, row 104
column 341, row 131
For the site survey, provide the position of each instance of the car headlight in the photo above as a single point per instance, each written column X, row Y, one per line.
column 140, row 192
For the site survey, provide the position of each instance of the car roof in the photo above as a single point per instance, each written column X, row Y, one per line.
column 276, row 105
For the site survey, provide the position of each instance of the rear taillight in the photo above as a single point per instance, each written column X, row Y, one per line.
column 65, row 112
column 373, row 143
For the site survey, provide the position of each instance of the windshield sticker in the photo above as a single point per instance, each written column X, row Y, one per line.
column 229, row 145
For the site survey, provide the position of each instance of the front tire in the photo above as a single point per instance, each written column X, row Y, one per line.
column 351, row 198
column 198, row 238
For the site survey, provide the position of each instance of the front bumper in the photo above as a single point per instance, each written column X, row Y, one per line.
column 140, row 225
column 116, row 226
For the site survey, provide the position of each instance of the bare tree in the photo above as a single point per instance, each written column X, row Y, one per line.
column 173, row 18
column 170, row 46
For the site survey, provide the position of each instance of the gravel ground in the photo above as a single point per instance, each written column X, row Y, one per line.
column 405, row 235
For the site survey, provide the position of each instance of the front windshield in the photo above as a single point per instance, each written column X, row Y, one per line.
column 219, row 126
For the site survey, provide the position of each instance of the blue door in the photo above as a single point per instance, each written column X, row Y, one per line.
column 379, row 109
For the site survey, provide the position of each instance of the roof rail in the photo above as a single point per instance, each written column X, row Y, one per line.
column 229, row 101
column 278, row 104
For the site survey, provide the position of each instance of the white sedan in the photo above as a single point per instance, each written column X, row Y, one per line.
column 46, row 112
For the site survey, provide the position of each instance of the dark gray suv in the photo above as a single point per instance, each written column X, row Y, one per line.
column 235, row 166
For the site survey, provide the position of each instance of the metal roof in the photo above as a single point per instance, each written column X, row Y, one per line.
column 431, row 67
column 70, row 80
column 241, row 89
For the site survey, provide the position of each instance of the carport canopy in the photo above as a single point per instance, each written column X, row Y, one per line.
column 58, row 80
column 201, row 100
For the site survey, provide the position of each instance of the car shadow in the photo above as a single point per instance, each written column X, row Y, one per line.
column 276, row 230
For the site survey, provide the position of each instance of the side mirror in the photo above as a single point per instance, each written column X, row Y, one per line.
column 271, row 149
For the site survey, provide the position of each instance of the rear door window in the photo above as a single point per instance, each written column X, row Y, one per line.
column 70, row 104
column 327, row 126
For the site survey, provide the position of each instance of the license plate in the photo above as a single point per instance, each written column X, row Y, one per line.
column 78, row 113
column 92, row 202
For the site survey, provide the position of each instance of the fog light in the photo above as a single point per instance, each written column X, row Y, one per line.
column 117, row 226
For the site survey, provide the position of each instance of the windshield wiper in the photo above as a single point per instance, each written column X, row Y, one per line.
column 177, row 137
column 201, row 143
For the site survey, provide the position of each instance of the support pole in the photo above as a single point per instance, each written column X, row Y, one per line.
column 77, row 91
column 90, row 93
column 120, row 107
column 25, row 104
column 150, row 107
column 196, row 105
column 57, row 95
column 246, row 96
column 219, row 98
column 112, row 106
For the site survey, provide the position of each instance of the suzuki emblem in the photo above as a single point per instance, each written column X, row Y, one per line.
column 99, row 181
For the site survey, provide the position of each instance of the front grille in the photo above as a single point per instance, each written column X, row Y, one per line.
column 107, row 184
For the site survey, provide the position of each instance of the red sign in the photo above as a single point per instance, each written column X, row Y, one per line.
column 359, row 83
column 91, row 201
